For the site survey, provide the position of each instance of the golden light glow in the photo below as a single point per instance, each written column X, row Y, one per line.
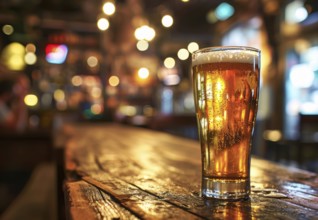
column 113, row 81
column 92, row 61
column 183, row 54
column 103, row 24
column 77, row 80
column 169, row 62
column 193, row 46
column 30, row 58
column 142, row 45
column 59, row 95
column 13, row 56
column 143, row 73
column 167, row 21
column 109, row 8
column 145, row 33
column 128, row 110
column 272, row 135
column 31, row 100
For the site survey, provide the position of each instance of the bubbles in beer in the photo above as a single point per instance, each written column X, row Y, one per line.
column 226, row 99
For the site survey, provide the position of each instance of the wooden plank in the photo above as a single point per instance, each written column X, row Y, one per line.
column 143, row 204
column 85, row 201
column 193, row 203
column 156, row 168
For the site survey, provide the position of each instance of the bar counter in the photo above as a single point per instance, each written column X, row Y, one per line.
column 114, row 171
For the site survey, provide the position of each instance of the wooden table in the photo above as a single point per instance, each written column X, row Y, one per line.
column 121, row 172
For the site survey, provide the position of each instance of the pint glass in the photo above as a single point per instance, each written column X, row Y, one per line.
column 226, row 87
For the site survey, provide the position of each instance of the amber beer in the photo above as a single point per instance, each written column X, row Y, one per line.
column 226, row 87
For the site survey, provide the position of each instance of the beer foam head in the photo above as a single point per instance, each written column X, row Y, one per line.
column 226, row 54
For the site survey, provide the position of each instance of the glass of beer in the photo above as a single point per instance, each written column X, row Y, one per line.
column 226, row 87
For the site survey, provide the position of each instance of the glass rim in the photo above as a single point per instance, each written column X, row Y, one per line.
column 229, row 48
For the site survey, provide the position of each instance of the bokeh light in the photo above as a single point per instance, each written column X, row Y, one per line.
column 143, row 73
column 30, row 58
column 59, row 95
column 193, row 46
column 7, row 29
column 103, row 24
column 30, row 48
column 183, row 54
column 167, row 21
column 77, row 80
column 31, row 100
column 96, row 109
column 109, row 8
column 224, row 11
column 92, row 61
column 145, row 33
column 169, row 62
column 113, row 81
column 13, row 56
column 295, row 12
column 142, row 45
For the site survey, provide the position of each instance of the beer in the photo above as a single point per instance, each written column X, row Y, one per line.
column 226, row 87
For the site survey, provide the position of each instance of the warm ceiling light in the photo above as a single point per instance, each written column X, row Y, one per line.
column 103, row 24
column 169, row 62
column 109, row 8
column 145, row 33
column 113, row 81
column 92, row 61
column 183, row 54
column 142, row 45
column 193, row 46
column 143, row 73
column 167, row 21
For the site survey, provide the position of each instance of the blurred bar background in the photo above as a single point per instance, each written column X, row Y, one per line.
column 128, row 61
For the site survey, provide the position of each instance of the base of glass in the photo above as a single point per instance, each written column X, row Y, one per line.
column 225, row 189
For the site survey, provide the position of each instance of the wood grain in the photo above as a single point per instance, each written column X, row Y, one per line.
column 154, row 175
